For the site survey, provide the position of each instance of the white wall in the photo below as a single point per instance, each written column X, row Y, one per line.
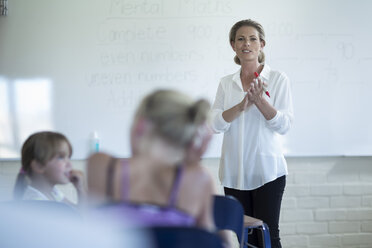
column 327, row 201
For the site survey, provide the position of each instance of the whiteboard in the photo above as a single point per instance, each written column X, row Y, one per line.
column 83, row 66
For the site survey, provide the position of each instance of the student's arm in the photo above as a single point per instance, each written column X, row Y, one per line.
column 207, row 217
column 96, row 168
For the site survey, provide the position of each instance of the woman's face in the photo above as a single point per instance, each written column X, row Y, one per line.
column 247, row 44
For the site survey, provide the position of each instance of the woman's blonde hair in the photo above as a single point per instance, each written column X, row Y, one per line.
column 261, row 34
column 174, row 116
column 41, row 147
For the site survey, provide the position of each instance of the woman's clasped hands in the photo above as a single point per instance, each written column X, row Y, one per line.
column 256, row 90
column 254, row 94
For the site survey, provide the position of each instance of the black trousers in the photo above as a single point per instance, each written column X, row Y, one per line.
column 263, row 203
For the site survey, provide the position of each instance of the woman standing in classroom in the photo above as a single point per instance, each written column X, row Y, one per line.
column 253, row 107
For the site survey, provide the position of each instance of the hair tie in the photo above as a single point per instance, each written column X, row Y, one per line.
column 22, row 171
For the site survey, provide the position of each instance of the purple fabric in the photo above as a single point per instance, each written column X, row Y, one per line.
column 149, row 214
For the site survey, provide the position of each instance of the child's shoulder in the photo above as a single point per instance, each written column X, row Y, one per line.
column 33, row 194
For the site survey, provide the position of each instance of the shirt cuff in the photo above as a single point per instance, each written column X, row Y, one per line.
column 280, row 123
column 275, row 119
column 219, row 123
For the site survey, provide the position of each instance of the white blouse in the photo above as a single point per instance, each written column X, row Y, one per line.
column 251, row 150
column 33, row 194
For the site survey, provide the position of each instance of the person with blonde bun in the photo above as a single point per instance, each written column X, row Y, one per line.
column 163, row 182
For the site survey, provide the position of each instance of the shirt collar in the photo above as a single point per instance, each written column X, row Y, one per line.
column 236, row 78
column 264, row 74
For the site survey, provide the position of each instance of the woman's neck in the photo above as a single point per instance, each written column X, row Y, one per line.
column 158, row 152
column 249, row 68
column 156, row 160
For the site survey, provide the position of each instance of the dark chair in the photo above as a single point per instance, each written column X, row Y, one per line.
column 229, row 215
column 184, row 237
column 251, row 223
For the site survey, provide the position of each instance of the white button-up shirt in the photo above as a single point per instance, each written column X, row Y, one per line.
column 33, row 194
column 251, row 150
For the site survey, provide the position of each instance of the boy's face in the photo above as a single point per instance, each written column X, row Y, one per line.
column 57, row 170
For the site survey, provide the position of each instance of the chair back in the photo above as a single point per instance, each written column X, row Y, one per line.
column 229, row 215
column 184, row 237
